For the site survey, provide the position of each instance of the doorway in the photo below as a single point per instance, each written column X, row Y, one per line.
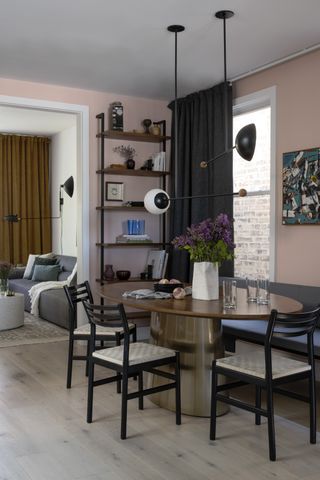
column 81, row 112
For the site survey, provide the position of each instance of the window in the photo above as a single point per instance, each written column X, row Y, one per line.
column 253, row 227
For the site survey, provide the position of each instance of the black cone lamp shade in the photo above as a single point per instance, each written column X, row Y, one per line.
column 245, row 143
column 68, row 186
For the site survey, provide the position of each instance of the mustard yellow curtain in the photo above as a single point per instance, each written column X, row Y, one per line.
column 24, row 190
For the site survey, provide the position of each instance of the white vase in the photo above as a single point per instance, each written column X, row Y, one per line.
column 205, row 281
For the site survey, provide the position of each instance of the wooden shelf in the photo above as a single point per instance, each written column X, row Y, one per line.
column 131, row 244
column 131, row 279
column 132, row 173
column 123, row 208
column 133, row 136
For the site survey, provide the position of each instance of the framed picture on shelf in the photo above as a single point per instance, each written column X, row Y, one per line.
column 114, row 191
column 301, row 187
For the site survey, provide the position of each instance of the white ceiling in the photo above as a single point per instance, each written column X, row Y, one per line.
column 124, row 47
column 36, row 122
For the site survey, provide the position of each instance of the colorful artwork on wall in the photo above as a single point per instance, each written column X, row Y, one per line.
column 301, row 187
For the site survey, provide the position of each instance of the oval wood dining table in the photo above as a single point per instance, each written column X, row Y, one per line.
column 193, row 327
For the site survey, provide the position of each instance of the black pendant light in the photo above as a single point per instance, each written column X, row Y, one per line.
column 176, row 29
column 157, row 201
column 245, row 142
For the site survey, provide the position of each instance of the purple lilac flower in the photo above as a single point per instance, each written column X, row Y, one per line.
column 202, row 240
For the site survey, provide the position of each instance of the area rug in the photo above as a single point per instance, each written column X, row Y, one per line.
column 34, row 330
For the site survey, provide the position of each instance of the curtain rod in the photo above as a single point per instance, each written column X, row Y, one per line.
column 276, row 62
column 25, row 135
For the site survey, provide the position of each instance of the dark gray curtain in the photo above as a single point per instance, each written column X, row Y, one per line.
column 201, row 136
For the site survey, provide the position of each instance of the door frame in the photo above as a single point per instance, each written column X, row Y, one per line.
column 82, row 113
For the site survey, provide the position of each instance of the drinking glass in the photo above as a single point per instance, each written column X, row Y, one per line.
column 263, row 296
column 229, row 293
column 252, row 289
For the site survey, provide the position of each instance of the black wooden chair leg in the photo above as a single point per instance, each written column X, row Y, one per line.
column 140, row 377
column 118, row 342
column 134, row 339
column 271, row 432
column 178, row 389
column 213, row 419
column 124, row 406
column 90, row 391
column 258, row 404
column 87, row 360
column 70, row 360
column 312, row 405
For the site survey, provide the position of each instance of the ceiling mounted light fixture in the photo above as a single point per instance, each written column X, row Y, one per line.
column 245, row 142
column 157, row 201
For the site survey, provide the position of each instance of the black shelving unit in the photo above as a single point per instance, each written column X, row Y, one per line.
column 104, row 171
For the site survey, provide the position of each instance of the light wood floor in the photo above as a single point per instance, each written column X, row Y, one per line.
column 44, row 435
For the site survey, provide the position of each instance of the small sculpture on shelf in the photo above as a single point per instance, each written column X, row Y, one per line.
column 146, row 125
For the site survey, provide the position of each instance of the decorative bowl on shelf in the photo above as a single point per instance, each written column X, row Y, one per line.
column 166, row 287
column 123, row 274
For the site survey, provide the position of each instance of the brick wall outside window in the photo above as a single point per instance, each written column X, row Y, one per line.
column 252, row 213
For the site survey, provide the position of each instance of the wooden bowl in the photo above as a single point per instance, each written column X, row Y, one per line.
column 123, row 274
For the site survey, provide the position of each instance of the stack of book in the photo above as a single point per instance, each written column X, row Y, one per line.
column 133, row 239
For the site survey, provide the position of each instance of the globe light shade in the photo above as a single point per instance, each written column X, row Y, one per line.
column 156, row 201
column 245, row 142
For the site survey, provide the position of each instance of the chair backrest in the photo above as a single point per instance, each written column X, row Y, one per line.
column 292, row 325
column 108, row 316
column 76, row 294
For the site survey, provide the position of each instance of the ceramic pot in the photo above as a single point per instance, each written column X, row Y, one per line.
column 155, row 130
column 130, row 164
column 205, row 281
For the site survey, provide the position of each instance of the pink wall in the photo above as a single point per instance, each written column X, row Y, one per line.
column 297, row 127
column 136, row 109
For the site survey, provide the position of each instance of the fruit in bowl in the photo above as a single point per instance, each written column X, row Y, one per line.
column 167, row 286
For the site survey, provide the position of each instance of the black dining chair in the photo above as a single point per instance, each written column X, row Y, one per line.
column 267, row 370
column 128, row 360
column 77, row 294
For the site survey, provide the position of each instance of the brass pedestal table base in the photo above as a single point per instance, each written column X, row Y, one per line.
column 199, row 341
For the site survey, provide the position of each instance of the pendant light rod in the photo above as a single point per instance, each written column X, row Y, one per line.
column 224, row 15
column 175, row 29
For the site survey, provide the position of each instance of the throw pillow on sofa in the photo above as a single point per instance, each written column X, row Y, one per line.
column 43, row 261
column 45, row 273
column 31, row 259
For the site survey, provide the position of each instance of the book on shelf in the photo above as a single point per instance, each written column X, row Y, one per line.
column 158, row 259
column 133, row 239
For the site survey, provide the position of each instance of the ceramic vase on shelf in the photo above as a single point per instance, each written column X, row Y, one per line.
column 108, row 273
column 130, row 164
column 205, row 281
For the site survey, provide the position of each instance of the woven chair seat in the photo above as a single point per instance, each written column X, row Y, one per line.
column 254, row 364
column 138, row 353
column 100, row 331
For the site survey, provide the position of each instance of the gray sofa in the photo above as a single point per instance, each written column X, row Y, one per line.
column 53, row 305
column 254, row 330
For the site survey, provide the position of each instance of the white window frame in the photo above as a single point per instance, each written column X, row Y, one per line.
column 245, row 104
